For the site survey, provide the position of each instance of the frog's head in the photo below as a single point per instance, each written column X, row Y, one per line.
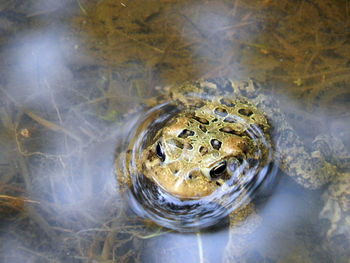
column 198, row 150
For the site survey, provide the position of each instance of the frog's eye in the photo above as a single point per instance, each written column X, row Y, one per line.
column 160, row 152
column 218, row 170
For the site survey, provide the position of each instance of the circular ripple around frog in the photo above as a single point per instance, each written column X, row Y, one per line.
column 150, row 199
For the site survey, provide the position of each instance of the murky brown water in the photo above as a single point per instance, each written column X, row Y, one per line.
column 71, row 70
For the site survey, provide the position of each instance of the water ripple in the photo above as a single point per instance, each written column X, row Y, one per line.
column 151, row 201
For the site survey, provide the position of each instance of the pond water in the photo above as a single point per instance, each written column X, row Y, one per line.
column 73, row 76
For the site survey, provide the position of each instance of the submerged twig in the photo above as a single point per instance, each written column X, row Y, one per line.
column 50, row 125
column 18, row 199
column 81, row 7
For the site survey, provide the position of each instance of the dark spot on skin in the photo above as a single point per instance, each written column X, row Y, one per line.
column 245, row 112
column 176, row 171
column 189, row 146
column 231, row 131
column 185, row 133
column 150, row 155
column 201, row 120
column 221, row 112
column 227, row 102
column 203, row 150
column 175, row 142
column 202, row 128
column 216, row 144
column 230, row 120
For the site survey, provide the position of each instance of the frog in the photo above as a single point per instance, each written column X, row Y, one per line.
column 205, row 142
